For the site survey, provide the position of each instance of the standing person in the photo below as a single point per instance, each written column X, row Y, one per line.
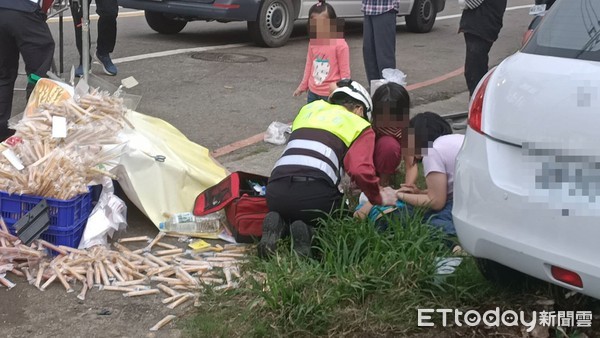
column 23, row 30
column 379, row 36
column 107, row 10
column 480, row 22
column 327, row 137
column 328, row 58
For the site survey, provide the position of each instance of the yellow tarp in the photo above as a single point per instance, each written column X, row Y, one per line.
column 171, row 186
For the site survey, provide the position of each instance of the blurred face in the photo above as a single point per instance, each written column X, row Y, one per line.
column 409, row 146
column 384, row 115
column 322, row 27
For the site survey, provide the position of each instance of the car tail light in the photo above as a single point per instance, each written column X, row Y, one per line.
column 476, row 109
column 566, row 276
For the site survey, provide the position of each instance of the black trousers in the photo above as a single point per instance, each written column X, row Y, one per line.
column 107, row 10
column 476, row 60
column 29, row 35
column 379, row 44
column 306, row 201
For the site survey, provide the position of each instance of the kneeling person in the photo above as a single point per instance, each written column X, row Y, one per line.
column 326, row 139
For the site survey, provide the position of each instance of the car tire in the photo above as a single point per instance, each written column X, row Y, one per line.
column 274, row 24
column 163, row 24
column 422, row 17
column 500, row 274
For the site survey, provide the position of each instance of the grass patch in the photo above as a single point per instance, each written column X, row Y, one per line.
column 362, row 281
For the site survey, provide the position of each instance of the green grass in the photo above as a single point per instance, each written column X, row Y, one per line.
column 362, row 281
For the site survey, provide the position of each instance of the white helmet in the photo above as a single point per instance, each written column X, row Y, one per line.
column 356, row 91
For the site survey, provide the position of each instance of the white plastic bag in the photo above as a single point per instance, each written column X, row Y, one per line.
column 109, row 215
column 275, row 134
column 389, row 75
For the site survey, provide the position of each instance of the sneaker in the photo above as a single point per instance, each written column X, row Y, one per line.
column 107, row 64
column 79, row 71
column 301, row 238
column 273, row 229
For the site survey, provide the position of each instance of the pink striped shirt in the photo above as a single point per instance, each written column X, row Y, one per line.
column 327, row 61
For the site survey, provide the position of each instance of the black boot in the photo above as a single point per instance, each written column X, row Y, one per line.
column 301, row 238
column 273, row 229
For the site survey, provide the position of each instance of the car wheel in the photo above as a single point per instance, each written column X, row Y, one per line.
column 164, row 24
column 500, row 274
column 274, row 24
column 422, row 16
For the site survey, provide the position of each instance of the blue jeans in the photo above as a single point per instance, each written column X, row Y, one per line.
column 314, row 97
column 438, row 219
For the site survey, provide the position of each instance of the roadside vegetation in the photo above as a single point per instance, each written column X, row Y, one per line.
column 363, row 282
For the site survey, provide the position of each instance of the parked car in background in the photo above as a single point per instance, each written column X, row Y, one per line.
column 270, row 22
column 527, row 183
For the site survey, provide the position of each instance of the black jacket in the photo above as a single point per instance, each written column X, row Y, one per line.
column 20, row 5
column 484, row 21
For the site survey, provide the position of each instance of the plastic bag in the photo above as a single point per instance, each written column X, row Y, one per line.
column 276, row 133
column 109, row 215
column 389, row 75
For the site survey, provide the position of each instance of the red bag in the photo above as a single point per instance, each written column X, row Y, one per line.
column 244, row 207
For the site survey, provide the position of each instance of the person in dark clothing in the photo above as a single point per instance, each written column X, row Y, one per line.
column 23, row 30
column 327, row 139
column 107, row 10
column 480, row 22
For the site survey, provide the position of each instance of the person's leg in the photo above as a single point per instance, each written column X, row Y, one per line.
column 476, row 60
column 387, row 157
column 384, row 27
column 107, row 34
column 9, row 66
column 107, row 10
column 442, row 219
column 36, row 45
column 369, row 51
column 77, row 14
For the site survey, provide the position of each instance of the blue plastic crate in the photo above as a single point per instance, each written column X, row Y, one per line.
column 70, row 237
column 65, row 215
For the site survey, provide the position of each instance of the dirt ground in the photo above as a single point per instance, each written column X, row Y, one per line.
column 27, row 312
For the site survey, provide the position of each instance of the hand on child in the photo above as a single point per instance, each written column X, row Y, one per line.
column 388, row 196
column 409, row 189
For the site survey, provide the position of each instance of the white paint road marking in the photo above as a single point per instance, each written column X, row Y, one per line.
column 234, row 45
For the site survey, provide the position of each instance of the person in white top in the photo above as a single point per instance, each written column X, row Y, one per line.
column 430, row 140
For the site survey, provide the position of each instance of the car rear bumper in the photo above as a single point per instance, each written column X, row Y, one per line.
column 497, row 217
column 227, row 10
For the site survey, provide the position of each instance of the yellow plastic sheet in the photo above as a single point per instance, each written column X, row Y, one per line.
column 170, row 186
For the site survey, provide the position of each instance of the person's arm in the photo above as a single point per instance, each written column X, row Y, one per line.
column 358, row 163
column 412, row 171
column 307, row 70
column 435, row 198
column 363, row 212
column 343, row 59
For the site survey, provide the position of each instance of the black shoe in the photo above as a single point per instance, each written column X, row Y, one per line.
column 301, row 238
column 273, row 229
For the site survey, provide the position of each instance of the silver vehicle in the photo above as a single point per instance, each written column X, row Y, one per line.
column 270, row 22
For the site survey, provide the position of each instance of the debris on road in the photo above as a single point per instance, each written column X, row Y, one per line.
column 179, row 274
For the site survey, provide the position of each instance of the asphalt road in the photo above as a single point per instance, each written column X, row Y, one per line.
column 216, row 103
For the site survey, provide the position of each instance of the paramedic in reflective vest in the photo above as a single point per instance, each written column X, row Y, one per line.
column 23, row 29
column 327, row 138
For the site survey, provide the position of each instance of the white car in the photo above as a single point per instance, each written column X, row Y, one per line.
column 270, row 22
column 527, row 184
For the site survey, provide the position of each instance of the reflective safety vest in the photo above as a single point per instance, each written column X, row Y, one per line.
column 321, row 135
